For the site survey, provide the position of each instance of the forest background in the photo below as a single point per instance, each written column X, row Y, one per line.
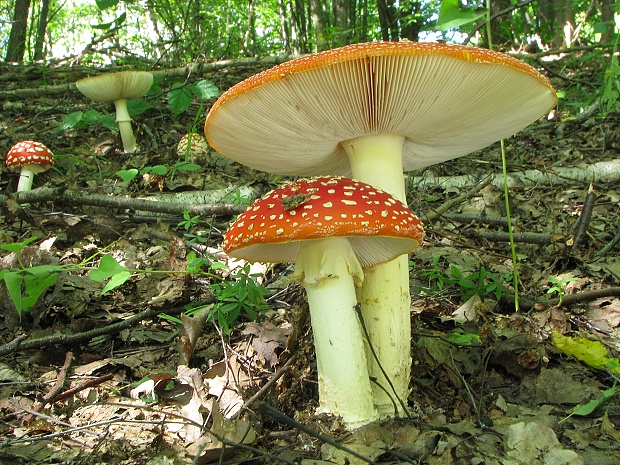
column 160, row 33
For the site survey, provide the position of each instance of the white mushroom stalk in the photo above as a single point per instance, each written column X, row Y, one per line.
column 330, row 227
column 329, row 270
column 374, row 110
column 124, row 126
column 385, row 299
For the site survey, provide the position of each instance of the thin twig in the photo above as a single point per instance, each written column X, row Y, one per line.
column 55, row 390
column 584, row 219
column 64, row 339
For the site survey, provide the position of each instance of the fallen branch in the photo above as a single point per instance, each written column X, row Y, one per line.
column 604, row 171
column 65, row 339
column 72, row 197
column 58, row 387
column 527, row 303
column 527, row 237
column 192, row 69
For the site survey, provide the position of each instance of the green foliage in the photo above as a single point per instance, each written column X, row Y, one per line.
column 594, row 404
column 610, row 93
column 592, row 353
column 181, row 96
column 558, row 286
column 92, row 117
column 26, row 285
column 242, row 294
column 189, row 223
column 453, row 15
column 480, row 283
column 237, row 198
column 239, row 294
column 160, row 170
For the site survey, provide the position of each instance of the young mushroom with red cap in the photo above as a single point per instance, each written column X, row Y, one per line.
column 374, row 110
column 29, row 158
column 118, row 88
column 331, row 227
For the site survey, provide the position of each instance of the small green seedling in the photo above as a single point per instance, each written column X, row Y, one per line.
column 558, row 287
column 237, row 198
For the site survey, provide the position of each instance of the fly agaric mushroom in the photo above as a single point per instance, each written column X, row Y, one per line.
column 374, row 110
column 192, row 147
column 30, row 158
column 331, row 227
column 118, row 88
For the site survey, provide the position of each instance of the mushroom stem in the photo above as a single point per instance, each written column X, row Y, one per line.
column 124, row 125
column 328, row 269
column 384, row 297
column 26, row 177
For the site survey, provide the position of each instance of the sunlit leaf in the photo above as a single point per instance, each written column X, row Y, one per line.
column 205, row 89
column 116, row 280
column 592, row 353
column 107, row 268
column 451, row 15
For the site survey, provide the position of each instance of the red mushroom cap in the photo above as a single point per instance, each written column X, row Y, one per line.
column 378, row 226
column 29, row 152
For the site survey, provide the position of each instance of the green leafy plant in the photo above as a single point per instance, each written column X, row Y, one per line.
column 181, row 95
column 92, row 117
column 26, row 284
column 189, row 223
column 242, row 294
column 481, row 282
column 610, row 92
column 558, row 285
column 129, row 175
column 237, row 198
column 234, row 296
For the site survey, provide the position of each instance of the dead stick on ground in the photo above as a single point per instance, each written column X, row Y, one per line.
column 81, row 387
column 56, row 389
column 584, row 219
column 458, row 199
column 72, row 197
column 63, row 339
column 525, row 303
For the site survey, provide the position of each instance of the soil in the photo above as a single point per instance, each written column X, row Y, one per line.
column 493, row 381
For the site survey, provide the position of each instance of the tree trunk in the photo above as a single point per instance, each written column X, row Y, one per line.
column 340, row 14
column 411, row 25
column 298, row 26
column 387, row 20
column 39, row 45
column 285, row 28
column 607, row 18
column 558, row 17
column 318, row 23
column 16, row 46
column 250, row 35
column 500, row 29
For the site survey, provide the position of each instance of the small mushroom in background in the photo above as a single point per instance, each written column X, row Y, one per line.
column 372, row 111
column 330, row 227
column 29, row 158
column 192, row 147
column 118, row 88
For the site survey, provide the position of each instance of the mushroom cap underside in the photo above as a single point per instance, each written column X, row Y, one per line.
column 116, row 86
column 445, row 100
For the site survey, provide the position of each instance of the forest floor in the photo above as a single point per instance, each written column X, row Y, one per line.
column 490, row 384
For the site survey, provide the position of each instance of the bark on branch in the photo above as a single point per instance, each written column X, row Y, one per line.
column 72, row 197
